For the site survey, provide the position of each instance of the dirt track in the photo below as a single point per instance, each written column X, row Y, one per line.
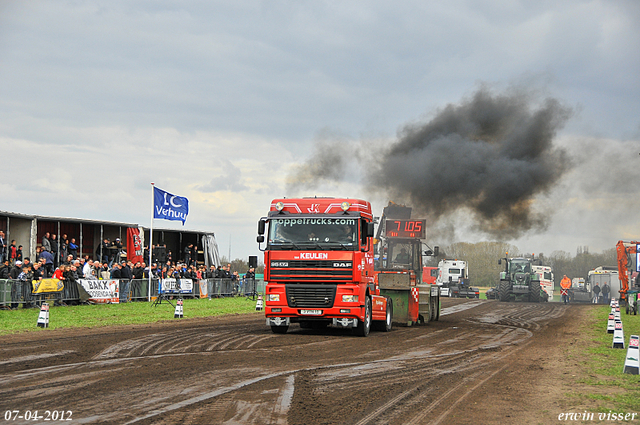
column 489, row 363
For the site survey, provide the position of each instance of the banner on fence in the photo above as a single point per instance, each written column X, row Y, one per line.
column 102, row 291
column 171, row 286
column 47, row 285
column 204, row 291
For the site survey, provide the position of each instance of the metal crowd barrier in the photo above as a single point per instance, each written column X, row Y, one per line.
column 15, row 292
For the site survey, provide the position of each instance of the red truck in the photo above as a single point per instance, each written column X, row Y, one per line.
column 319, row 266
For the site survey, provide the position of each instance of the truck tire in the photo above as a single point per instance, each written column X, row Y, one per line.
column 503, row 290
column 437, row 308
column 432, row 309
column 385, row 326
column 279, row 329
column 534, row 291
column 364, row 326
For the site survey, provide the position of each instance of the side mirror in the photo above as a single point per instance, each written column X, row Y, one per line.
column 260, row 239
column 370, row 230
column 499, row 261
column 436, row 251
column 261, row 226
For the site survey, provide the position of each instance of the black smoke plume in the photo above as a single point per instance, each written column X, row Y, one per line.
column 491, row 154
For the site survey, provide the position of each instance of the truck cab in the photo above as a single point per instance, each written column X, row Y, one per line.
column 319, row 265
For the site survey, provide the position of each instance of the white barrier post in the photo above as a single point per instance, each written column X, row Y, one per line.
column 632, row 361
column 43, row 317
column 179, row 313
column 259, row 303
column 618, row 336
column 611, row 324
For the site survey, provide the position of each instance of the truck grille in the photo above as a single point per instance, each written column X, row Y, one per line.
column 331, row 270
column 310, row 296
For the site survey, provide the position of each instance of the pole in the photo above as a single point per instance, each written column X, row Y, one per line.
column 151, row 240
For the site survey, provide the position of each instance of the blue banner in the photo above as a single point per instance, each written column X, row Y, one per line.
column 169, row 207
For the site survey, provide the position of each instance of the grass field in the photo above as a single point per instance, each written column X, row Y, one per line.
column 89, row 316
column 604, row 365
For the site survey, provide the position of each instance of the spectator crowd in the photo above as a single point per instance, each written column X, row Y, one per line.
column 59, row 259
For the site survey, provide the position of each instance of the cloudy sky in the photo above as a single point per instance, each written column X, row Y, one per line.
column 219, row 101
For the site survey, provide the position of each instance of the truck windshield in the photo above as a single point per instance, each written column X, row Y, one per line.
column 313, row 233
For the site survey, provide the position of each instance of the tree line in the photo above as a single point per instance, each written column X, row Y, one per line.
column 484, row 269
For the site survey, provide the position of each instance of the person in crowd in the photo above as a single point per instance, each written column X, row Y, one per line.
column 565, row 285
column 46, row 242
column 5, row 268
column 3, row 247
column 26, row 277
column 87, row 269
column 605, row 293
column 194, row 254
column 60, row 274
column 104, row 272
column 68, row 260
column 596, row 293
column 138, row 271
column 48, row 260
column 38, row 271
column 55, row 250
column 116, row 271
column 169, row 258
column 125, row 280
column 71, row 276
column 211, row 273
column 19, row 253
column 64, row 247
column 16, row 286
column 12, row 252
column 73, row 248
column 187, row 254
column 102, row 251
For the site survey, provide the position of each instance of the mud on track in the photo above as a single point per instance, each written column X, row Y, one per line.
column 483, row 362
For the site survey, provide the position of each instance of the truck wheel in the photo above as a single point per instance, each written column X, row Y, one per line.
column 432, row 309
column 386, row 326
column 364, row 326
column 437, row 309
column 503, row 290
column 279, row 329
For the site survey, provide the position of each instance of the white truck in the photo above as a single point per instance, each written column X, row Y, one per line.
column 453, row 278
column 545, row 274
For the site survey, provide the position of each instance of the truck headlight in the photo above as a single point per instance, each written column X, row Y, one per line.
column 273, row 297
column 349, row 298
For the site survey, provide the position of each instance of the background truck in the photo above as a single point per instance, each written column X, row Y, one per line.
column 545, row 276
column 399, row 269
column 519, row 280
column 319, row 266
column 453, row 277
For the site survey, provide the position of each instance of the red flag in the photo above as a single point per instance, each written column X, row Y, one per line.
column 134, row 245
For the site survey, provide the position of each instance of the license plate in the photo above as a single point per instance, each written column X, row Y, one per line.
column 311, row 312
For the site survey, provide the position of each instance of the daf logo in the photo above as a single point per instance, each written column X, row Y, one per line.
column 341, row 265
